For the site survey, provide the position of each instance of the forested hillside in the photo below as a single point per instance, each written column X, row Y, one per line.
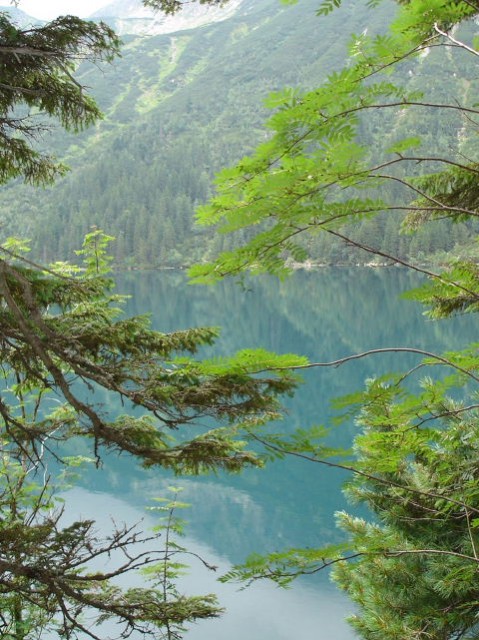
column 179, row 107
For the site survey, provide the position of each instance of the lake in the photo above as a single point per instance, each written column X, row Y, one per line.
column 325, row 315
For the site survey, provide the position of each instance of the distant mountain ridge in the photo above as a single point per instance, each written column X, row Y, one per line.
column 20, row 17
column 130, row 17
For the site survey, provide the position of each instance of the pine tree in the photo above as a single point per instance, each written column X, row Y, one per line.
column 61, row 337
column 37, row 66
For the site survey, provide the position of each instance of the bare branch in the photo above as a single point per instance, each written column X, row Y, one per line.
column 458, row 43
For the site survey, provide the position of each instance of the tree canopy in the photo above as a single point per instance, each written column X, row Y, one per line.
column 37, row 81
column 62, row 336
column 412, row 571
column 313, row 173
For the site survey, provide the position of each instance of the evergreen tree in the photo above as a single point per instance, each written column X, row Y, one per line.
column 37, row 65
column 61, row 338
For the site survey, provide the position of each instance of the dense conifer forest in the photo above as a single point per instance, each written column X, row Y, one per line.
column 178, row 107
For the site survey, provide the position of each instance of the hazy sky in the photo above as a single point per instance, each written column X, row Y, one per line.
column 48, row 9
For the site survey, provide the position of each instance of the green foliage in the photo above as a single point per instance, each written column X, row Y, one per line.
column 283, row 567
column 421, row 556
column 165, row 573
column 327, row 6
column 318, row 172
column 412, row 572
column 37, row 77
column 414, row 461
column 62, row 332
column 96, row 258
column 177, row 111
column 454, row 292
column 62, row 337
column 86, row 339
column 51, row 582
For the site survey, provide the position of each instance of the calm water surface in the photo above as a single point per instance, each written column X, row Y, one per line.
column 324, row 315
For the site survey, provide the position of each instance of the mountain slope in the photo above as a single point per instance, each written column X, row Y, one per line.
column 178, row 108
